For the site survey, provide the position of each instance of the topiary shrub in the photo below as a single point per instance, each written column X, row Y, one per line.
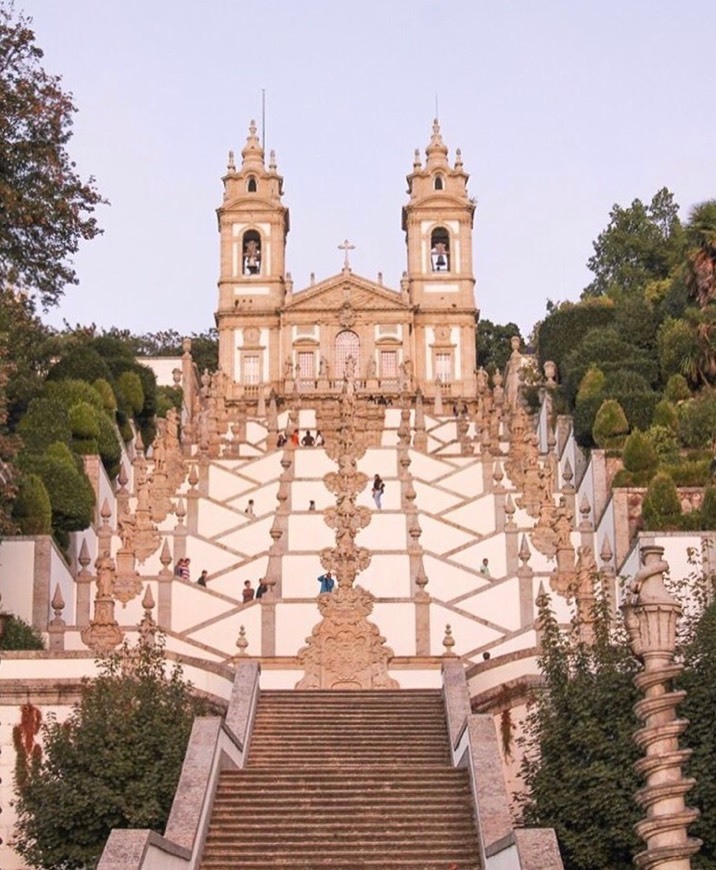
column 661, row 509
column 46, row 421
column 697, row 420
column 109, row 447
column 168, row 397
column 18, row 635
column 664, row 442
column 666, row 415
column 639, row 453
column 82, row 363
column 693, row 472
column 677, row 389
column 32, row 510
column 106, row 393
column 592, row 384
column 583, row 417
column 610, row 425
column 72, row 391
column 130, row 386
column 84, row 420
column 708, row 509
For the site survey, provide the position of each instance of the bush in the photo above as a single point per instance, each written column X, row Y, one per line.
column 632, row 478
column 638, row 407
column 666, row 415
column 19, row 635
column 697, row 420
column 583, row 418
column 708, row 508
column 82, row 363
column 592, row 384
column 71, row 392
column 676, row 341
column 639, row 454
column 32, row 510
column 84, row 421
column 677, row 389
column 564, row 328
column 168, row 397
column 110, row 450
column 106, row 394
column 690, row 473
column 664, row 442
column 46, row 421
column 610, row 425
column 130, row 386
column 661, row 509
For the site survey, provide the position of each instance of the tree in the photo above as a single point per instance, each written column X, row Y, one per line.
column 578, row 764
column 701, row 254
column 46, row 207
column 641, row 246
column 611, row 426
column 114, row 763
column 493, row 344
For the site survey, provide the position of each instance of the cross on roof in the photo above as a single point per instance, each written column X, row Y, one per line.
column 345, row 247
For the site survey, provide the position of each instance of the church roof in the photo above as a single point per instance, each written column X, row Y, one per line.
column 333, row 293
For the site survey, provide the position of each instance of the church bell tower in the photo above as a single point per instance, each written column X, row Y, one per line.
column 438, row 221
column 253, row 224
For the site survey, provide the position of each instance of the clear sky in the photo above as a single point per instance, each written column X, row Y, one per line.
column 561, row 108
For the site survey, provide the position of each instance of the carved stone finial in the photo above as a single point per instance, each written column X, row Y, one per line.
column 241, row 642
column 84, row 556
column 147, row 625
column 231, row 163
column 524, row 553
column 606, row 554
column 165, row 558
column 58, row 605
column 448, row 642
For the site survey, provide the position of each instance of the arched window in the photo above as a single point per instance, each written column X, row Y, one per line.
column 440, row 249
column 347, row 348
column 438, row 182
column 251, row 186
column 252, row 253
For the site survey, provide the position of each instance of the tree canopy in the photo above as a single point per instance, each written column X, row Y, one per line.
column 46, row 207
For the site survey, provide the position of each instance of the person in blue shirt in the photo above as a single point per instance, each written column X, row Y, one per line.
column 327, row 582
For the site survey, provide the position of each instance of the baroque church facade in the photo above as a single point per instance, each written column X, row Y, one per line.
column 420, row 336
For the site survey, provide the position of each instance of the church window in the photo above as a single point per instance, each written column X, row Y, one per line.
column 443, row 367
column 251, row 186
column 440, row 249
column 306, row 367
column 439, row 182
column 252, row 252
column 347, row 347
column 251, row 369
column 388, row 365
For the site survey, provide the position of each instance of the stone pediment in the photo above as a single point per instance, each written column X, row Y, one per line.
column 333, row 294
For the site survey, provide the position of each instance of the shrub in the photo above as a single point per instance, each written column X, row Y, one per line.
column 583, row 417
column 638, row 407
column 32, row 509
column 46, row 421
column 666, row 415
column 610, row 425
column 697, row 420
column 690, row 473
column 632, row 478
column 109, row 447
column 677, row 389
column 564, row 328
column 106, row 393
column 639, row 453
column 661, row 508
column 676, row 340
column 84, row 421
column 80, row 362
column 592, row 384
column 170, row 397
column 664, row 442
column 71, row 392
column 130, row 386
column 19, row 635
column 708, row 508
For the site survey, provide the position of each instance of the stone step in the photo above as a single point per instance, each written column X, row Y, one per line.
column 416, row 857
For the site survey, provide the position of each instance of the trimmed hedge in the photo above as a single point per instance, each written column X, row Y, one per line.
column 32, row 510
column 661, row 509
column 610, row 425
column 46, row 422
column 639, row 454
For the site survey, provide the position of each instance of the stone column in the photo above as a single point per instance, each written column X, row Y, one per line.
column 650, row 615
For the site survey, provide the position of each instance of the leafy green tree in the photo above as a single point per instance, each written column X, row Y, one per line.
column 641, row 245
column 47, row 209
column 80, row 362
column 46, row 422
column 579, row 752
column 18, row 635
column 697, row 420
column 32, row 510
column 567, row 324
column 8, row 448
column 114, row 763
column 130, row 386
column 493, row 344
column 701, row 254
column 611, row 426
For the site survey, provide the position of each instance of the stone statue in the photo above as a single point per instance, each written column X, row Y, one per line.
column 288, row 369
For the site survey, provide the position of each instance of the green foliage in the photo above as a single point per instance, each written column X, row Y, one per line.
column 610, row 425
column 676, row 342
column 578, row 763
column 666, row 415
column 18, row 635
column 708, row 509
column 641, row 245
column 639, row 453
column 32, row 510
column 663, row 441
column 701, row 255
column 168, row 397
column 110, row 450
column 106, row 394
column 699, row 682
column 564, row 328
column 493, row 344
column 84, row 421
column 697, row 420
column 46, row 422
column 693, row 472
column 114, row 763
column 46, row 207
column 80, row 362
column 592, row 384
column 168, row 342
column 583, row 416
column 130, row 387
column 661, row 509
column 636, row 322
column 71, row 392
column 677, row 389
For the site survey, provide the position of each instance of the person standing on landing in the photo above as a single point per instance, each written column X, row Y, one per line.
column 377, row 491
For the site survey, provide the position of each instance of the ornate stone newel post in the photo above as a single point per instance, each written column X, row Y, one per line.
column 650, row 615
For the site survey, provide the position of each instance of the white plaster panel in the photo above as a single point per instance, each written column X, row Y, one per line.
column 303, row 491
column 492, row 549
column 478, row 515
column 448, row 581
column 387, row 576
column 308, row 532
column 251, row 537
column 215, row 519
column 396, row 623
column 224, row 485
column 307, row 420
column 377, row 460
column 268, row 467
column 312, row 462
column 192, row 605
column 392, row 418
column 293, row 625
column 255, row 432
column 439, row 537
column 298, row 576
column 467, row 632
column 442, row 287
column 499, row 604
column 205, row 554
column 418, row 678
column 232, row 579
column 427, row 467
column 251, row 289
column 468, row 482
column 433, row 499
column 17, row 561
column 386, row 532
column 222, row 634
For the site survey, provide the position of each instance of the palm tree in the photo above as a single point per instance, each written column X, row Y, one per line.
column 701, row 254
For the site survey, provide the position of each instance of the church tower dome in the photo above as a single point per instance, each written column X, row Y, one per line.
column 438, row 222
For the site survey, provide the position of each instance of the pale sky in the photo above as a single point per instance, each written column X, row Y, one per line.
column 561, row 108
